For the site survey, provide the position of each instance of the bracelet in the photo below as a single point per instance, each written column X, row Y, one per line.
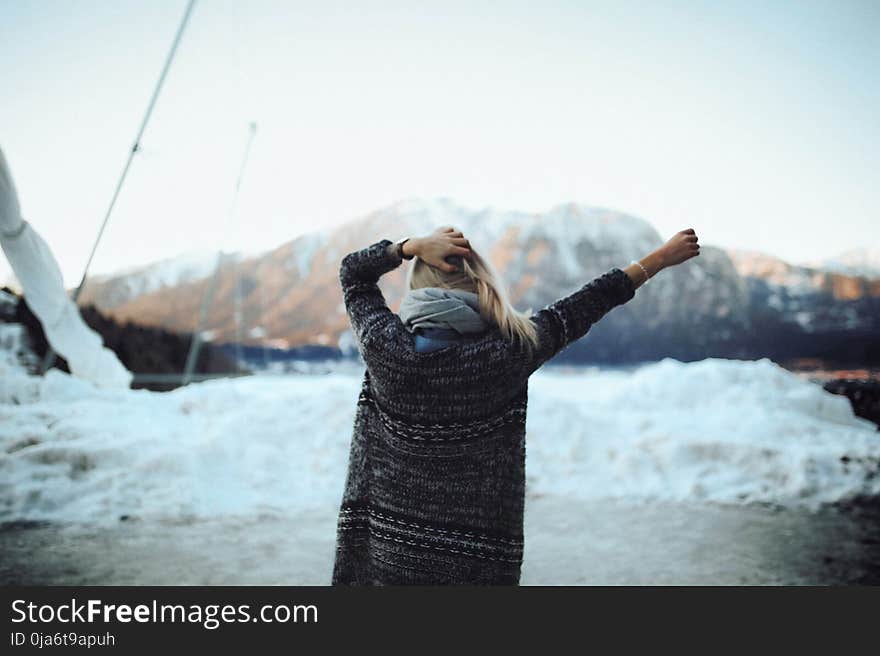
column 398, row 247
column 643, row 269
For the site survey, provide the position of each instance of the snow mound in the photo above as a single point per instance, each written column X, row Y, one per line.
column 717, row 430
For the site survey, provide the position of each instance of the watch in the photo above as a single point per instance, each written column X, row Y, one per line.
column 398, row 247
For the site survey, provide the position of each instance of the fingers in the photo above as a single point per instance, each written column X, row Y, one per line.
column 449, row 231
column 458, row 245
column 451, row 242
column 690, row 240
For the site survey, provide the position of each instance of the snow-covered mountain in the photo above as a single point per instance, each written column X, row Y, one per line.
column 816, row 299
column 855, row 262
column 726, row 303
column 111, row 290
column 292, row 294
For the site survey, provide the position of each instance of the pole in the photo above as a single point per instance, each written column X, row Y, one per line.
column 208, row 298
column 50, row 353
column 265, row 334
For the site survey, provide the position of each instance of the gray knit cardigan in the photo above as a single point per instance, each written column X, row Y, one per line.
column 435, row 488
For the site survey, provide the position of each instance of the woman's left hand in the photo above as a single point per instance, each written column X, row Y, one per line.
column 436, row 247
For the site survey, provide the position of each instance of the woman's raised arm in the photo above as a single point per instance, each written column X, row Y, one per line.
column 570, row 318
column 359, row 274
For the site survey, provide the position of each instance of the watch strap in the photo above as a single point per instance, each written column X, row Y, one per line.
column 398, row 245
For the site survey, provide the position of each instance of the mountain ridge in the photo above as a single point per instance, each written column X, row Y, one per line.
column 289, row 295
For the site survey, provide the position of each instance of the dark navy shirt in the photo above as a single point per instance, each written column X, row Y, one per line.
column 432, row 339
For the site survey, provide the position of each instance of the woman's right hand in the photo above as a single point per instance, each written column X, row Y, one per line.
column 680, row 248
column 440, row 244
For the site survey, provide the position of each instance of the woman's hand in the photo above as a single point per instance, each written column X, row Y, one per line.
column 680, row 248
column 436, row 247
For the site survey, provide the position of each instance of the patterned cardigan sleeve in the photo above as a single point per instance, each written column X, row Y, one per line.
column 570, row 318
column 359, row 275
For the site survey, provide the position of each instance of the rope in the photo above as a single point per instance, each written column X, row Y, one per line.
column 49, row 360
column 208, row 298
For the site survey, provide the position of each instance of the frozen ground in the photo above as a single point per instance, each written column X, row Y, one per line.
column 664, row 474
column 588, row 542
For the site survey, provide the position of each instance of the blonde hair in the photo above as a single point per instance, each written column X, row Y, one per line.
column 477, row 275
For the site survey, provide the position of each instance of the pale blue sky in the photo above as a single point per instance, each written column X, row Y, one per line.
column 757, row 123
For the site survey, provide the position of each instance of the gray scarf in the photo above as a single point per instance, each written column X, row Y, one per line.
column 436, row 307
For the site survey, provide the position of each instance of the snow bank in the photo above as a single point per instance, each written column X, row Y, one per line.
column 727, row 431
column 719, row 430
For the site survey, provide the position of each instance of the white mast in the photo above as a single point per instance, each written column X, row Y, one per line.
column 43, row 287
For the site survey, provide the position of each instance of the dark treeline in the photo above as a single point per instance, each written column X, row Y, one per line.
column 141, row 349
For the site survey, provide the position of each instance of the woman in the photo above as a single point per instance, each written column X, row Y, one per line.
column 436, row 474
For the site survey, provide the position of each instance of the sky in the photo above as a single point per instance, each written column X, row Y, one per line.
column 756, row 123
